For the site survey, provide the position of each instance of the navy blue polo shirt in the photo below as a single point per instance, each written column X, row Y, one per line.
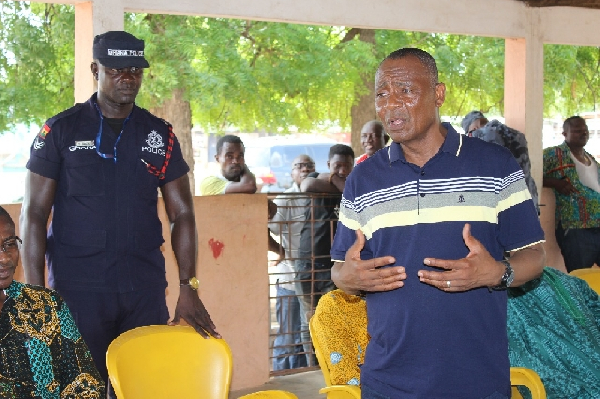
column 427, row 343
column 105, row 234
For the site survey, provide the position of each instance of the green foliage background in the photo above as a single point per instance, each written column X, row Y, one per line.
column 266, row 76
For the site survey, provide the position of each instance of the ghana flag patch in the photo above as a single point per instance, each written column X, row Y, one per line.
column 44, row 131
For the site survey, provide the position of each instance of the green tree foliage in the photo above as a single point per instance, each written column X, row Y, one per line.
column 472, row 67
column 254, row 75
column 571, row 79
column 267, row 76
column 36, row 61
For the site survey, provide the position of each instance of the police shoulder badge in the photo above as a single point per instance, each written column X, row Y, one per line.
column 44, row 131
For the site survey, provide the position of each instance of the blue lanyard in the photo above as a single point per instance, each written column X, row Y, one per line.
column 99, row 135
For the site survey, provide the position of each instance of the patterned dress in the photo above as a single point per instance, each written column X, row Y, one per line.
column 42, row 354
column 580, row 210
column 340, row 327
column 554, row 329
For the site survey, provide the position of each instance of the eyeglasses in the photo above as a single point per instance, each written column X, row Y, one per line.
column 11, row 244
column 120, row 71
column 301, row 165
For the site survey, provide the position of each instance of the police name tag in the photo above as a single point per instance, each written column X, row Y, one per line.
column 88, row 143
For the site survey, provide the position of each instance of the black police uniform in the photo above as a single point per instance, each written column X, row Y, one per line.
column 104, row 240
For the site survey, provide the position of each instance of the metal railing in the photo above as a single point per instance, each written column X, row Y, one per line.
column 305, row 225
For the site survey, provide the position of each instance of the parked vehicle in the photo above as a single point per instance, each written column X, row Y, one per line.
column 270, row 159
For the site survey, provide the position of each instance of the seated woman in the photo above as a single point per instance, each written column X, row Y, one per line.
column 42, row 354
column 340, row 328
column 554, row 329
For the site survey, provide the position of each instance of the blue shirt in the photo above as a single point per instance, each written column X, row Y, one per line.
column 427, row 343
column 105, row 234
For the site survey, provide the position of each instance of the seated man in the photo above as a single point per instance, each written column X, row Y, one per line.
column 42, row 354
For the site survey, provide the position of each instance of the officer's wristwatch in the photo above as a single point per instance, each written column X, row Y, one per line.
column 507, row 277
column 192, row 282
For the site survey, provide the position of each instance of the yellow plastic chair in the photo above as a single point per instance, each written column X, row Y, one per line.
column 528, row 378
column 332, row 391
column 164, row 362
column 273, row 394
column 591, row 276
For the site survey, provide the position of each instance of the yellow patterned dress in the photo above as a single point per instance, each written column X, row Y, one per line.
column 42, row 354
column 340, row 327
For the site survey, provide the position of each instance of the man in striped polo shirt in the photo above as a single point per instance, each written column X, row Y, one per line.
column 424, row 227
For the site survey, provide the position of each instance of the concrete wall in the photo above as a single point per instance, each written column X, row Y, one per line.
column 232, row 269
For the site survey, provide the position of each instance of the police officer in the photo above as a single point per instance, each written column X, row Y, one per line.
column 98, row 166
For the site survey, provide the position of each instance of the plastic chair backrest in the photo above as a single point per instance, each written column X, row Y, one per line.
column 169, row 362
column 520, row 376
column 590, row 275
column 319, row 351
column 273, row 394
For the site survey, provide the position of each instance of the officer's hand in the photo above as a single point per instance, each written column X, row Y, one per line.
column 355, row 275
column 192, row 310
column 477, row 269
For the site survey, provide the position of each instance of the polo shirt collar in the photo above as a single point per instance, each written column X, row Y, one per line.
column 452, row 145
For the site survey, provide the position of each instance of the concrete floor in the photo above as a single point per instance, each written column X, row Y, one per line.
column 304, row 385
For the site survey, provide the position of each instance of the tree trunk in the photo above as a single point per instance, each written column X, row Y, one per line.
column 178, row 112
column 364, row 110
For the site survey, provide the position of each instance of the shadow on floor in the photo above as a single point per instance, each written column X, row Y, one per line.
column 304, row 385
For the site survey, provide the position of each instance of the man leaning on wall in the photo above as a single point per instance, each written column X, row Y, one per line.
column 573, row 175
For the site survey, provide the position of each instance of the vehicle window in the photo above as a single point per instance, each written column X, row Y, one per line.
column 291, row 152
column 320, row 155
column 276, row 160
column 257, row 157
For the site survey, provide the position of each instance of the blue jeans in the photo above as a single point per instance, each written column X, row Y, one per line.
column 580, row 248
column 311, row 285
column 287, row 347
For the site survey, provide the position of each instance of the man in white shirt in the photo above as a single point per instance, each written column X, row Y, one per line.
column 287, row 224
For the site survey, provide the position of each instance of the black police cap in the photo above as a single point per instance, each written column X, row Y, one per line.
column 119, row 49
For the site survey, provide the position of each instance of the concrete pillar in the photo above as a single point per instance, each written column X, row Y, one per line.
column 524, row 89
column 84, row 35
column 514, row 83
column 91, row 19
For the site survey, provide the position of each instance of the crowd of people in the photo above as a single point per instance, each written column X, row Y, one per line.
column 431, row 229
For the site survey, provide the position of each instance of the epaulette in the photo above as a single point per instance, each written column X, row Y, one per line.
column 48, row 125
column 151, row 115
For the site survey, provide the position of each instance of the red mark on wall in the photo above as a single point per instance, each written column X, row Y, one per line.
column 216, row 246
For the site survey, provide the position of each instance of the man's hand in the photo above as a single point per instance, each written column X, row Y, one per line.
column 338, row 181
column 477, row 269
column 565, row 187
column 192, row 310
column 272, row 208
column 355, row 275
